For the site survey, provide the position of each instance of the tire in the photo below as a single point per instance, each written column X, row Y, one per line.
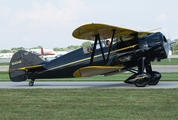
column 155, row 79
column 139, row 79
column 31, row 83
column 141, row 82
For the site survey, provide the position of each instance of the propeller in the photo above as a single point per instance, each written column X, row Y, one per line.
column 169, row 48
column 154, row 29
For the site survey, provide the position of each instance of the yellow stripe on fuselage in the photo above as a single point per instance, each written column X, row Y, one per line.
column 27, row 68
column 90, row 57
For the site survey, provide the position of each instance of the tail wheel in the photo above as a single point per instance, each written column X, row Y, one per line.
column 31, row 83
column 156, row 76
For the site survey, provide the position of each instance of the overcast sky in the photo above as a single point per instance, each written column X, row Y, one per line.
column 50, row 23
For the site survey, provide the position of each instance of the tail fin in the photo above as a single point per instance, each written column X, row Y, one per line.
column 42, row 52
column 20, row 61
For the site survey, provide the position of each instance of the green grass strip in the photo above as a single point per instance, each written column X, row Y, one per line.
column 173, row 61
column 102, row 104
column 7, row 63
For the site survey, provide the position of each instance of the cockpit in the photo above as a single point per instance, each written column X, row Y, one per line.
column 104, row 44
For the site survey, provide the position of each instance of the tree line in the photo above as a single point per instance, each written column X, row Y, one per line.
column 174, row 48
column 71, row 47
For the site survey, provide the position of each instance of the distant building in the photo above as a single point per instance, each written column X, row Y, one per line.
column 6, row 55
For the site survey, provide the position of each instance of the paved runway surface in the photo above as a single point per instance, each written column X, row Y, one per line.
column 19, row 85
column 4, row 68
column 165, row 68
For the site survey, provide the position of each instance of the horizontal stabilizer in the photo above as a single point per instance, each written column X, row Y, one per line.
column 95, row 70
column 27, row 68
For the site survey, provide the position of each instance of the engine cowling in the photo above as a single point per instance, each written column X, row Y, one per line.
column 155, row 45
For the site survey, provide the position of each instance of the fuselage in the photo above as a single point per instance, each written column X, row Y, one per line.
column 124, row 53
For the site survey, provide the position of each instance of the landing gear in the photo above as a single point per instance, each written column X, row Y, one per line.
column 31, row 83
column 156, row 76
column 141, row 79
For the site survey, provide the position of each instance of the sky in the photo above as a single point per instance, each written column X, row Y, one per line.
column 50, row 23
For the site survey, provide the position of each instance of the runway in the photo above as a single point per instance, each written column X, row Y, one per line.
column 165, row 68
column 4, row 68
column 69, row 85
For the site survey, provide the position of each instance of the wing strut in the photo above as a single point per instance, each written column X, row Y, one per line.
column 97, row 38
column 111, row 44
column 101, row 50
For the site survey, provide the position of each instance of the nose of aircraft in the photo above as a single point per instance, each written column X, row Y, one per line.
column 155, row 45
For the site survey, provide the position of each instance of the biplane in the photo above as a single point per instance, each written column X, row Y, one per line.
column 129, row 50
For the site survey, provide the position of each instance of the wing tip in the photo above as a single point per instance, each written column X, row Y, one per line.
column 77, row 73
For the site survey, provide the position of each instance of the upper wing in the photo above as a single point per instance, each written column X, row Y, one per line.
column 95, row 70
column 88, row 31
column 143, row 34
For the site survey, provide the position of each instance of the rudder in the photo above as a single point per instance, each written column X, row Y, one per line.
column 19, row 60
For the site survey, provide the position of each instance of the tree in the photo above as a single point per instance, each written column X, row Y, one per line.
column 58, row 49
column 71, row 47
column 174, row 47
column 5, row 51
column 176, row 52
column 17, row 49
column 86, row 44
column 38, row 47
column 77, row 46
column 21, row 48
column 14, row 50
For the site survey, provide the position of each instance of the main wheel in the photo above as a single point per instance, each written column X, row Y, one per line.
column 155, row 78
column 142, row 82
column 139, row 79
column 31, row 83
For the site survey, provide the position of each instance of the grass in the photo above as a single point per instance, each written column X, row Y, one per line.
column 4, row 76
column 173, row 61
column 6, row 63
column 127, row 104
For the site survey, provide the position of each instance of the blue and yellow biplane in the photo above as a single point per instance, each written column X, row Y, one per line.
column 128, row 49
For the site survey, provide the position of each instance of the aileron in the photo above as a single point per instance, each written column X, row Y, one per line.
column 95, row 70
